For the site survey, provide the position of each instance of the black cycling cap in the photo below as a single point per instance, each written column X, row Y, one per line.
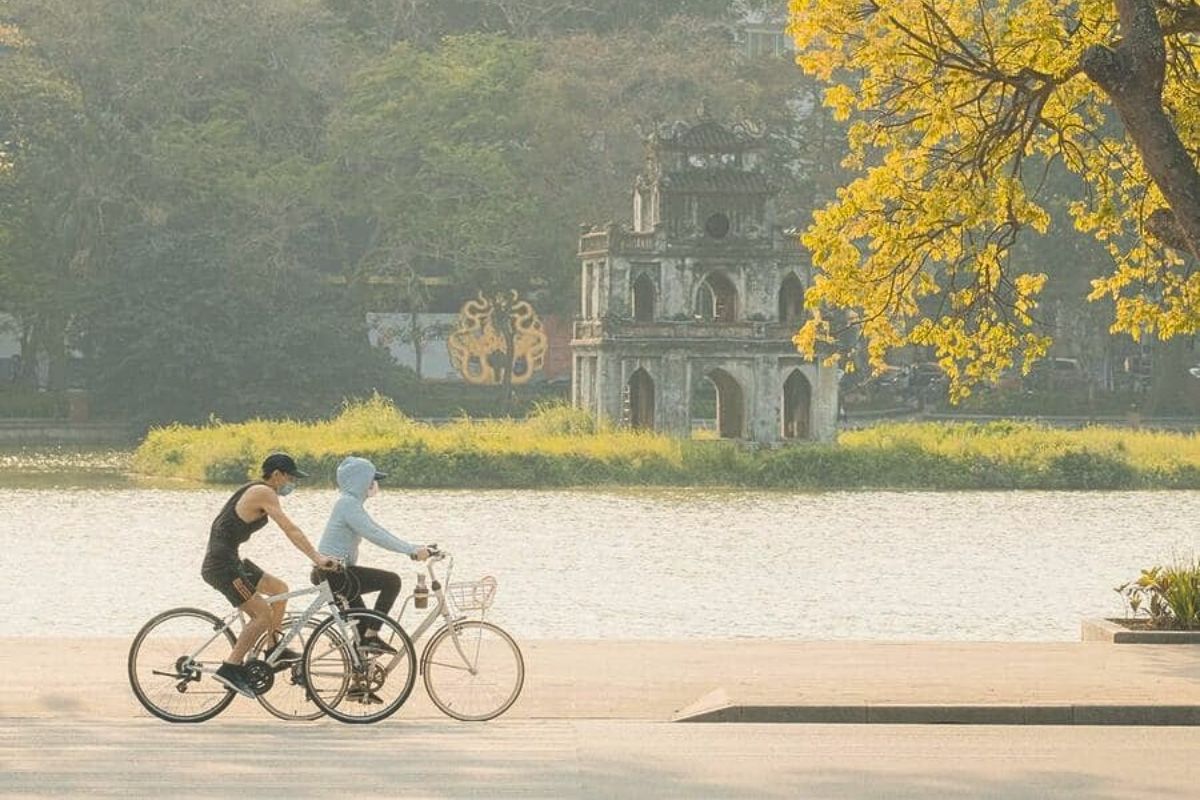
column 284, row 463
column 380, row 475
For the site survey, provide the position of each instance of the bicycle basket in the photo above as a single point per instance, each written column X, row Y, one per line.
column 472, row 595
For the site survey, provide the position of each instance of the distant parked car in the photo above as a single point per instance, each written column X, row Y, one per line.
column 891, row 380
column 1056, row 374
column 892, row 377
column 926, row 374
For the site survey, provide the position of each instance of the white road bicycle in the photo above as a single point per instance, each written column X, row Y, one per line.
column 174, row 655
column 472, row 668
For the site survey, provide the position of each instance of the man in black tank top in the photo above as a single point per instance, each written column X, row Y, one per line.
column 242, row 581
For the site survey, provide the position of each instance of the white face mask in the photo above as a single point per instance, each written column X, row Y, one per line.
column 374, row 489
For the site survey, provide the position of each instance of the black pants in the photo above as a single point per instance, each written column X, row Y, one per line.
column 365, row 580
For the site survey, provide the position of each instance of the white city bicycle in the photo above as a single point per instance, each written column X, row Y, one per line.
column 174, row 655
column 472, row 668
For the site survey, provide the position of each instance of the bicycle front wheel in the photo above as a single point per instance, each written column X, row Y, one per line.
column 171, row 662
column 473, row 670
column 351, row 681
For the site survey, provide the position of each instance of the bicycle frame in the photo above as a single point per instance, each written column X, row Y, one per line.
column 324, row 599
column 442, row 609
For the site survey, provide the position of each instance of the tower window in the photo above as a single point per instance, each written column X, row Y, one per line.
column 791, row 299
column 717, row 226
column 717, row 299
column 643, row 298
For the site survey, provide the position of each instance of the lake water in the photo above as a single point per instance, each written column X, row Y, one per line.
column 102, row 557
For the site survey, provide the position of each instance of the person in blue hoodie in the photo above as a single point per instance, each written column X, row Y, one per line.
column 348, row 525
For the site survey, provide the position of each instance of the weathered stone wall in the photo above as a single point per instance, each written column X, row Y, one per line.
column 604, row 368
column 677, row 284
column 677, row 353
column 703, row 206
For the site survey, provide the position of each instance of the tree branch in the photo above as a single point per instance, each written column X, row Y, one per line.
column 1132, row 75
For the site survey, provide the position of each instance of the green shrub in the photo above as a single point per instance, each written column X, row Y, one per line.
column 563, row 446
column 19, row 404
column 562, row 419
column 1088, row 470
column 1169, row 596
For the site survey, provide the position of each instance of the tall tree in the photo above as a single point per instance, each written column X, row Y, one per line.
column 959, row 110
column 424, row 149
column 381, row 24
column 594, row 96
column 54, row 200
column 188, row 185
column 190, row 217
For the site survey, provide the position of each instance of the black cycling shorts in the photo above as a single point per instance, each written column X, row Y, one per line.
column 237, row 580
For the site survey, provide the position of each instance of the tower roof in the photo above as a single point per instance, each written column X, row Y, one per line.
column 708, row 135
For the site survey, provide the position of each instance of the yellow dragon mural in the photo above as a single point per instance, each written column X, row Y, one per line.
column 478, row 347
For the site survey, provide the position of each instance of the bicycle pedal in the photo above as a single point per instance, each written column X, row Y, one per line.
column 365, row 698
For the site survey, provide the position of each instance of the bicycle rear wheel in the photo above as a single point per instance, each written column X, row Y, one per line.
column 171, row 662
column 480, row 678
column 289, row 697
column 351, row 683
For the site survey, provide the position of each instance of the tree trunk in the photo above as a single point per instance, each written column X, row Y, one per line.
column 56, row 370
column 1132, row 74
column 27, row 362
column 54, row 344
column 415, row 335
column 1167, row 377
column 510, row 354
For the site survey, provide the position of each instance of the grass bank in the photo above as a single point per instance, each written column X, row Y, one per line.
column 560, row 446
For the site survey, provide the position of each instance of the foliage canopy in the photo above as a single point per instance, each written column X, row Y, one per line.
column 958, row 113
column 204, row 200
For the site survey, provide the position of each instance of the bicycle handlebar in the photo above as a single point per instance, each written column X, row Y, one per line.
column 436, row 556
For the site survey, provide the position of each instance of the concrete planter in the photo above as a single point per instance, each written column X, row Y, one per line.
column 1117, row 631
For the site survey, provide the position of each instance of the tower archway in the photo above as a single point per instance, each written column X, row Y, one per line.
column 643, row 298
column 641, row 400
column 797, row 404
column 731, row 405
column 791, row 299
column 717, row 297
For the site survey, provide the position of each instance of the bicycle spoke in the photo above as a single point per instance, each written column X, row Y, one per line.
column 473, row 671
column 289, row 697
column 352, row 682
column 162, row 673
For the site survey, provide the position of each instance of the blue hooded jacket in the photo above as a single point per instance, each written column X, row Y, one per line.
column 349, row 523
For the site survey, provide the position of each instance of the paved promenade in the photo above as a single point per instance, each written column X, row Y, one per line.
column 594, row 722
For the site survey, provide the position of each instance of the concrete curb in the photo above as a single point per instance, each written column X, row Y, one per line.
column 935, row 714
column 1110, row 630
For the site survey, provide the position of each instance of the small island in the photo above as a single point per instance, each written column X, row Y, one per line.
column 562, row 446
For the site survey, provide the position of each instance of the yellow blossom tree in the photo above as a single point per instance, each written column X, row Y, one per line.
column 958, row 110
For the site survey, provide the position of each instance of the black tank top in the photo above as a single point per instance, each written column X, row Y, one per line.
column 229, row 530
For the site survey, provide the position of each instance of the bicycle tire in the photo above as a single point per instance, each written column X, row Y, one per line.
column 340, row 680
column 282, row 700
column 213, row 622
column 430, row 661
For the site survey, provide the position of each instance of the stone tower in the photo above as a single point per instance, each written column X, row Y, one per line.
column 705, row 286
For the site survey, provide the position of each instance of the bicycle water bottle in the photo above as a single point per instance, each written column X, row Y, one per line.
column 420, row 593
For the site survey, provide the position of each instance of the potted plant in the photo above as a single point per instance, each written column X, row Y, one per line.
column 1163, row 605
